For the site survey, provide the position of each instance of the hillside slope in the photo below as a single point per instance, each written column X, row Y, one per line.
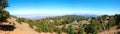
column 25, row 29
column 112, row 30
column 20, row 28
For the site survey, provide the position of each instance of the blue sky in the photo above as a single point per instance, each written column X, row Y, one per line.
column 63, row 7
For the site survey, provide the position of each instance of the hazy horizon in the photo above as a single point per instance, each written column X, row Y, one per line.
column 63, row 7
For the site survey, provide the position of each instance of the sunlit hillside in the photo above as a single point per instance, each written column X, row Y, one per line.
column 59, row 17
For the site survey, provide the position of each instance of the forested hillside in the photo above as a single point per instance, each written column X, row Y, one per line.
column 73, row 24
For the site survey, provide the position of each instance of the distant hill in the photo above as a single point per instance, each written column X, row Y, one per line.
column 88, row 15
column 40, row 17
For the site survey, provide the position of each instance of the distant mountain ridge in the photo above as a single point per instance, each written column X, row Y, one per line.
column 74, row 15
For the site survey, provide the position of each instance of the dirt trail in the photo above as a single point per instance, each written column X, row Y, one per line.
column 20, row 28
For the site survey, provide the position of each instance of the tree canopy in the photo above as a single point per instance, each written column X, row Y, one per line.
column 3, row 4
column 3, row 13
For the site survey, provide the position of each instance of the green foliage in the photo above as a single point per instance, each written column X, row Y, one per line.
column 81, row 31
column 4, row 15
column 117, row 18
column 3, row 4
column 110, row 23
column 92, row 28
column 20, row 20
column 13, row 16
column 14, row 24
column 59, row 31
column 104, row 16
column 64, row 29
column 71, row 30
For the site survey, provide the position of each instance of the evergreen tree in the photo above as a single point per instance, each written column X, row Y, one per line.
column 3, row 13
column 3, row 4
column 117, row 19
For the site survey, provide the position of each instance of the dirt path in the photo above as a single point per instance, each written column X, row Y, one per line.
column 20, row 28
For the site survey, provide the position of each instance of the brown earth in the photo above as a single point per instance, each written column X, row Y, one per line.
column 20, row 28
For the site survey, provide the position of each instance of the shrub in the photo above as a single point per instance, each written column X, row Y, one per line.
column 71, row 30
column 92, row 28
column 4, row 15
column 81, row 31
column 110, row 23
